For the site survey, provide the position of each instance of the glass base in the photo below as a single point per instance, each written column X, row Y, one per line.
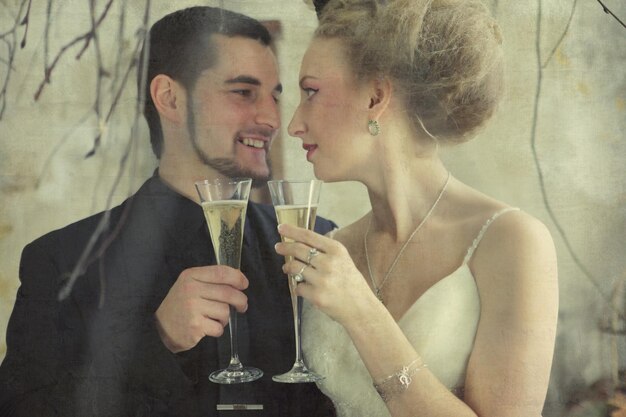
column 298, row 374
column 227, row 376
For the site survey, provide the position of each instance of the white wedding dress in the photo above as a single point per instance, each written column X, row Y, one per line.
column 441, row 325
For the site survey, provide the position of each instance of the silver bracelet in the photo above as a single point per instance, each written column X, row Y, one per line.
column 399, row 381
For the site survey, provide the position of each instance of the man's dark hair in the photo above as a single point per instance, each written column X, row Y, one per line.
column 319, row 6
column 181, row 48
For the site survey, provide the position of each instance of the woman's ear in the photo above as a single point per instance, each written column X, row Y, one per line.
column 168, row 98
column 380, row 93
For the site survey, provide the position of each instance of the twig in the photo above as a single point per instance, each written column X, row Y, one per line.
column 25, row 23
column 558, row 43
column 608, row 11
column 86, row 37
column 542, row 185
column 89, row 254
column 120, row 39
column 46, row 35
column 9, row 64
column 99, row 75
column 10, row 39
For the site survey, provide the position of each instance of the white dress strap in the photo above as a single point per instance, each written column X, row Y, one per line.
column 472, row 248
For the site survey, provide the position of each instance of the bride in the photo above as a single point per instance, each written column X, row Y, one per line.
column 441, row 301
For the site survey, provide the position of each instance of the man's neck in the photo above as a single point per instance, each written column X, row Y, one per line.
column 181, row 177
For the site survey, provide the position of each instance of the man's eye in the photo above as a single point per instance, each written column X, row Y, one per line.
column 243, row 93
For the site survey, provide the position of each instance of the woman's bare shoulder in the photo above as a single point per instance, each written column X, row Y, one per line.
column 506, row 238
column 517, row 251
column 518, row 232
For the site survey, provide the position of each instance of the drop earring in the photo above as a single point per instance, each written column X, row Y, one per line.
column 374, row 127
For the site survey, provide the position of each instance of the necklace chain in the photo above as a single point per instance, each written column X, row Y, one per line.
column 378, row 288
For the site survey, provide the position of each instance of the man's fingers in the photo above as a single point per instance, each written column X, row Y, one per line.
column 213, row 328
column 216, row 311
column 225, row 295
column 218, row 274
column 220, row 284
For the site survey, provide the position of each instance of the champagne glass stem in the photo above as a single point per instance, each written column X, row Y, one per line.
column 295, row 203
column 299, row 371
column 224, row 203
column 235, row 363
column 296, row 304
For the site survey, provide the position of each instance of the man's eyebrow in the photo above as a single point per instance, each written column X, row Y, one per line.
column 246, row 79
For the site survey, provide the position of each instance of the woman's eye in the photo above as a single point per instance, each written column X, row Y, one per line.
column 309, row 91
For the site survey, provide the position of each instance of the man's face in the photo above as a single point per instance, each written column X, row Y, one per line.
column 232, row 114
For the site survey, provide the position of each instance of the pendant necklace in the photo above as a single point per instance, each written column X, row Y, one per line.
column 378, row 288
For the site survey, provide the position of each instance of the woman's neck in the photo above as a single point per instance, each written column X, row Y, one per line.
column 404, row 190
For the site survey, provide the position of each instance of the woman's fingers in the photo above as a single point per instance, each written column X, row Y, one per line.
column 301, row 252
column 308, row 237
column 294, row 267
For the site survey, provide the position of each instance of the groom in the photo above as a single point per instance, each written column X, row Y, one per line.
column 144, row 324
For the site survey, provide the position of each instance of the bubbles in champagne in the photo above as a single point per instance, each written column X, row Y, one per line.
column 226, row 220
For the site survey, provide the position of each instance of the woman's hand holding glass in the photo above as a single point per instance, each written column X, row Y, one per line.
column 332, row 282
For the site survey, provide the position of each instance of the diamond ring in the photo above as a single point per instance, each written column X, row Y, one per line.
column 312, row 253
column 299, row 277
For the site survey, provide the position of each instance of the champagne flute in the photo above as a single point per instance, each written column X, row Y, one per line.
column 224, row 203
column 295, row 203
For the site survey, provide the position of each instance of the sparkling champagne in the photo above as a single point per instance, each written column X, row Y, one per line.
column 300, row 216
column 295, row 203
column 226, row 220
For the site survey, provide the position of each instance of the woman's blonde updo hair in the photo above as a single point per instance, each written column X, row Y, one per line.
column 444, row 57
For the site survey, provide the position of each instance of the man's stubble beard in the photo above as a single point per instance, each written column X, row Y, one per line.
column 225, row 166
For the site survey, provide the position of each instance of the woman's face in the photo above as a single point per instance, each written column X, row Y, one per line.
column 332, row 116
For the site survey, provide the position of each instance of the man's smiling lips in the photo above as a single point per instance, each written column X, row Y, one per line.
column 310, row 150
column 254, row 142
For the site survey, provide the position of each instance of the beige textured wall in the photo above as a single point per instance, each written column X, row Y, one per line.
column 45, row 181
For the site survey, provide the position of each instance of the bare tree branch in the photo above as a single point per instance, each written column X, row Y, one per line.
column 25, row 23
column 10, row 39
column 46, row 37
column 86, row 38
column 542, row 185
column 90, row 254
column 608, row 11
column 558, row 43
column 101, row 72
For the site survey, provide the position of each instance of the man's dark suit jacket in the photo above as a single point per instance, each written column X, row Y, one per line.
column 73, row 358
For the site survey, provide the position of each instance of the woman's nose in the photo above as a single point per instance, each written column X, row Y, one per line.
column 296, row 125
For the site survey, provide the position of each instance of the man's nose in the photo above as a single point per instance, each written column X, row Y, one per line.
column 268, row 113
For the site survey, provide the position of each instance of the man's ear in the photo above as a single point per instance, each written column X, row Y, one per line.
column 168, row 98
column 380, row 92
